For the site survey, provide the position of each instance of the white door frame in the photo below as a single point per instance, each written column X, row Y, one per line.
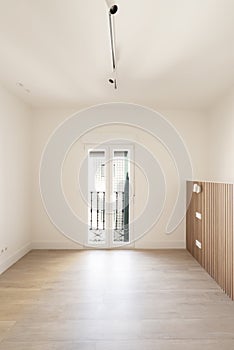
column 109, row 149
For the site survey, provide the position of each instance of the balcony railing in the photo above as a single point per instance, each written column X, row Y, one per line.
column 120, row 217
column 97, row 210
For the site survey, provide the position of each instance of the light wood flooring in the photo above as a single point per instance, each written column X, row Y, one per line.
column 113, row 300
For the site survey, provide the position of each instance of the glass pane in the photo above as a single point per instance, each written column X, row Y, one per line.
column 120, row 185
column 97, row 197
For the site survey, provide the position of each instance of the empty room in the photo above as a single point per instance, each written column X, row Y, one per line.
column 116, row 175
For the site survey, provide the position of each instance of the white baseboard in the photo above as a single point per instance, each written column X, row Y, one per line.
column 55, row 245
column 138, row 245
column 11, row 260
column 161, row 245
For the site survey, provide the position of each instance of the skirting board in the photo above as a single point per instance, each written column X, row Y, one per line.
column 160, row 245
column 138, row 245
column 11, row 260
column 55, row 245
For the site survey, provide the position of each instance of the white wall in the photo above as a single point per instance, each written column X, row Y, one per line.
column 221, row 140
column 44, row 234
column 192, row 128
column 15, row 177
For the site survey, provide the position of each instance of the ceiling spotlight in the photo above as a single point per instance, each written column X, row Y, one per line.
column 113, row 81
column 21, row 85
column 113, row 9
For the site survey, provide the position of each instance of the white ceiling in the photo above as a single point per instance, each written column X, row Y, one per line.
column 171, row 53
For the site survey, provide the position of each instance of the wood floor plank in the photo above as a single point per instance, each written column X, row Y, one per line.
column 35, row 345
column 5, row 327
column 167, row 344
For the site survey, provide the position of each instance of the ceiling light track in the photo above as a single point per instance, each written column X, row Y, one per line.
column 112, row 11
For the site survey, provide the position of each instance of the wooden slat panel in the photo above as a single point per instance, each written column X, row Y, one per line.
column 214, row 231
column 194, row 226
column 207, row 246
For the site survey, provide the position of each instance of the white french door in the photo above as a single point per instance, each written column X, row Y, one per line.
column 110, row 193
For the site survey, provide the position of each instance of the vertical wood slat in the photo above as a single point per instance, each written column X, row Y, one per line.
column 189, row 221
column 198, row 224
column 214, row 231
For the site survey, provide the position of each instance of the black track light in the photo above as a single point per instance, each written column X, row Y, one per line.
column 113, row 81
column 113, row 9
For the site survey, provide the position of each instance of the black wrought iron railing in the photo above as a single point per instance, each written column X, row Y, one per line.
column 120, row 217
column 97, row 210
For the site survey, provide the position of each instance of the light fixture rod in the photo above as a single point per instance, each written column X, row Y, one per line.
column 112, row 38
